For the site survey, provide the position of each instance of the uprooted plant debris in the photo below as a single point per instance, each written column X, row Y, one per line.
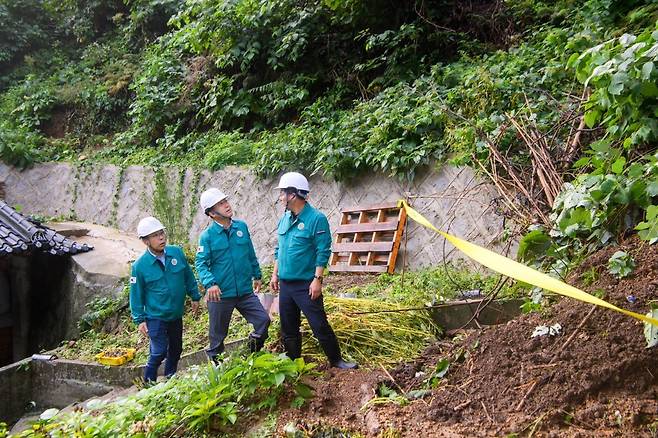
column 117, row 352
column 596, row 377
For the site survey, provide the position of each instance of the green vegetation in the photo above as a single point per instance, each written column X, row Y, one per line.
column 331, row 87
column 100, row 309
column 118, row 330
column 621, row 264
column 373, row 332
column 325, row 85
column 619, row 185
column 207, row 399
column 386, row 395
column 431, row 286
column 339, row 88
column 367, row 329
column 168, row 207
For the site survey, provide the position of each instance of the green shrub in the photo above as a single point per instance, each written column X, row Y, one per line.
column 18, row 145
column 623, row 73
column 86, row 20
column 205, row 399
column 224, row 149
column 622, row 179
column 621, row 264
column 148, row 18
column 24, row 26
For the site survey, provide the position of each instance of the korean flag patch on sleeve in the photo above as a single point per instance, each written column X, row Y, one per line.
column 133, row 280
column 200, row 249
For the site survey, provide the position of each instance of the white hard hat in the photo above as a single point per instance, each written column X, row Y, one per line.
column 293, row 179
column 148, row 225
column 211, row 197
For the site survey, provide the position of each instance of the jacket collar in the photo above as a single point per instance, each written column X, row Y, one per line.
column 306, row 212
column 303, row 215
column 218, row 228
column 154, row 258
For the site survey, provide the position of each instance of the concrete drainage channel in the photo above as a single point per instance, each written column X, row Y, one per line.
column 461, row 314
column 32, row 386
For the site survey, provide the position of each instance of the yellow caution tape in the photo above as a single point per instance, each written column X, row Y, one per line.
column 511, row 268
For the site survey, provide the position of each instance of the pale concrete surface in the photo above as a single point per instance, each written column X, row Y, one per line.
column 113, row 250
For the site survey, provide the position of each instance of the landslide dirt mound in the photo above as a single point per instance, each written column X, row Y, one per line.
column 595, row 378
column 507, row 381
column 339, row 396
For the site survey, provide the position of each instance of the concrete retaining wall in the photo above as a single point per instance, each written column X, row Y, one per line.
column 454, row 199
column 16, row 384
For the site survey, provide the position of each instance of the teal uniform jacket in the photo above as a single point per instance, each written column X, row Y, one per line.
column 304, row 243
column 157, row 292
column 226, row 258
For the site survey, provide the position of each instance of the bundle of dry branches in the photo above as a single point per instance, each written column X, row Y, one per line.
column 529, row 191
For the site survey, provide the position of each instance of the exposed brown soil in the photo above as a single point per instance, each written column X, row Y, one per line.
column 603, row 382
column 59, row 123
column 341, row 283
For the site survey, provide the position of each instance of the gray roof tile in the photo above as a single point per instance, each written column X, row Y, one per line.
column 19, row 234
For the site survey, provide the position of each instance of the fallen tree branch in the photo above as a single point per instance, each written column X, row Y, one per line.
column 574, row 144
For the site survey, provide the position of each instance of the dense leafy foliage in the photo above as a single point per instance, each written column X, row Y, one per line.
column 332, row 87
column 623, row 75
column 619, row 188
column 23, row 27
column 266, row 72
column 621, row 264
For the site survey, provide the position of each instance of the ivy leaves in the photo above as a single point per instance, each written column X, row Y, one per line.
column 620, row 189
column 623, row 74
column 621, row 264
column 648, row 229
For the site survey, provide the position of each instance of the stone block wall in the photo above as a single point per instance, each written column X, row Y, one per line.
column 453, row 199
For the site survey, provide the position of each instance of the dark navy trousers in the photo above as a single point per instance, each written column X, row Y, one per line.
column 166, row 343
column 295, row 299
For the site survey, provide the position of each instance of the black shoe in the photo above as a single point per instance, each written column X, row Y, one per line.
column 341, row 364
column 255, row 343
column 293, row 347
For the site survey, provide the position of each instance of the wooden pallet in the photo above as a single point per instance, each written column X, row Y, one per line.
column 368, row 239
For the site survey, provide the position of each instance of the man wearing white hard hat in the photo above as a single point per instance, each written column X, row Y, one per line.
column 229, row 271
column 160, row 280
column 302, row 253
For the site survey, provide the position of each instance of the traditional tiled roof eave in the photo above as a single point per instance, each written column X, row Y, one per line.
column 19, row 234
